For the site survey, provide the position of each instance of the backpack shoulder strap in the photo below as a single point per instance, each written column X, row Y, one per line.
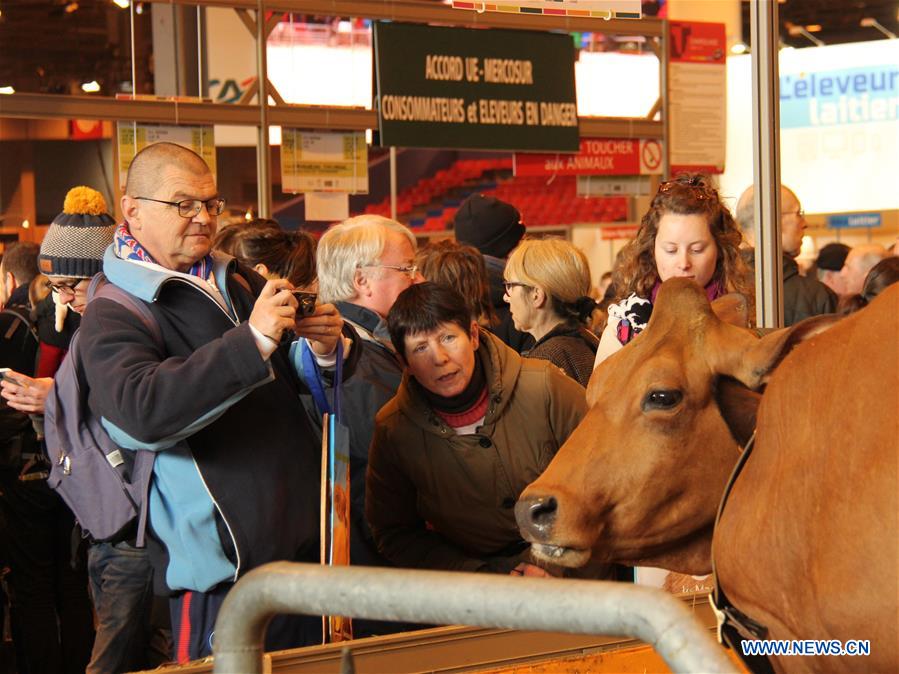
column 101, row 287
column 20, row 316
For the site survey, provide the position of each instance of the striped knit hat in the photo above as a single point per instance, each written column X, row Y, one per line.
column 74, row 245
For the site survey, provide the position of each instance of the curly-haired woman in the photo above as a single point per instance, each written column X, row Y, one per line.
column 687, row 232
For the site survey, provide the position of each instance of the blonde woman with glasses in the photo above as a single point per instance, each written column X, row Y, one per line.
column 547, row 284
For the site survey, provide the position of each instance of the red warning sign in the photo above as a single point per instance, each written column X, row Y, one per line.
column 697, row 42
column 597, row 156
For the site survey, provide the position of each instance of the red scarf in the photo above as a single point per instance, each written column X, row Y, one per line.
column 467, row 417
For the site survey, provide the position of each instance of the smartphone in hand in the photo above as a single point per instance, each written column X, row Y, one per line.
column 7, row 375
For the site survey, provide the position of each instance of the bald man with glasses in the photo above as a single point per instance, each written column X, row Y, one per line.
column 237, row 468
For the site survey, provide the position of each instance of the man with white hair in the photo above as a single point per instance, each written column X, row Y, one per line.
column 803, row 296
column 859, row 262
column 364, row 263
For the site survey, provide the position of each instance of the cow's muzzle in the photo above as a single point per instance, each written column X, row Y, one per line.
column 536, row 516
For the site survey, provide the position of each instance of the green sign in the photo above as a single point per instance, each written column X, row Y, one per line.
column 480, row 89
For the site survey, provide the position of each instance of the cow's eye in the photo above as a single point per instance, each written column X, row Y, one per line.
column 662, row 400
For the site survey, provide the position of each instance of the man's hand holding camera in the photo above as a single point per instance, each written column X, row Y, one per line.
column 322, row 329
column 277, row 310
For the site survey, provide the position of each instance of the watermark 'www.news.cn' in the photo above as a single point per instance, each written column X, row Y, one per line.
column 805, row 647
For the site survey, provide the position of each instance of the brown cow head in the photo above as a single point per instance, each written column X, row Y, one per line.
column 639, row 480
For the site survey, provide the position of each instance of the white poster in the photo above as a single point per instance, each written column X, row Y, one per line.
column 839, row 115
column 697, row 86
column 327, row 206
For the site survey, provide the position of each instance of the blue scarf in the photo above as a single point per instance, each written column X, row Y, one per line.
column 129, row 248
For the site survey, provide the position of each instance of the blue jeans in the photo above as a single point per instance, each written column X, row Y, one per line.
column 121, row 581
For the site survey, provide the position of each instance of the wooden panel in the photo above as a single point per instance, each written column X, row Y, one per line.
column 639, row 660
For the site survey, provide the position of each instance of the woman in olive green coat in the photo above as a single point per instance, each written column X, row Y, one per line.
column 471, row 425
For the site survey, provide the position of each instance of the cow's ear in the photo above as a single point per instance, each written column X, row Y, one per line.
column 738, row 406
column 750, row 362
column 732, row 308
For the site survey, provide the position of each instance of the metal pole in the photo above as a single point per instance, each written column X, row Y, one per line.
column 664, row 61
column 766, row 163
column 201, row 43
column 133, row 55
column 263, row 150
column 445, row 598
column 393, row 182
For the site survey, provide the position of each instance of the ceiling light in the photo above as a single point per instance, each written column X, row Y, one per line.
column 739, row 48
column 139, row 8
column 248, row 216
column 795, row 30
column 124, row 4
column 25, row 224
column 71, row 7
column 7, row 90
column 813, row 28
column 871, row 22
column 91, row 87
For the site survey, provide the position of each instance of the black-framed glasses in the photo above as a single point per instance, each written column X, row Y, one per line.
column 411, row 270
column 59, row 287
column 508, row 285
column 188, row 208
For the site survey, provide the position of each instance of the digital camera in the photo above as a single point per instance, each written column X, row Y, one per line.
column 306, row 302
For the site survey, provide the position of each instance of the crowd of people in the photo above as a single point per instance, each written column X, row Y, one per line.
column 464, row 369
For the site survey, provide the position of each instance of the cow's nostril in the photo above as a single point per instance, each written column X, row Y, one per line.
column 536, row 516
column 543, row 512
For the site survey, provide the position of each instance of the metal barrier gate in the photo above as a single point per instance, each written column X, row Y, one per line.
column 444, row 598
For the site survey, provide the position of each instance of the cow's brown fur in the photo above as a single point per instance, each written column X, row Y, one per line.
column 808, row 541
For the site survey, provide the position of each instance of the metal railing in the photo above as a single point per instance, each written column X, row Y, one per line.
column 447, row 598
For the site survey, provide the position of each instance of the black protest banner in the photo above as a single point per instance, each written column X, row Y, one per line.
column 479, row 89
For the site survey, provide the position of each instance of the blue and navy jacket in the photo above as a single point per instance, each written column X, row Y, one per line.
column 236, row 478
